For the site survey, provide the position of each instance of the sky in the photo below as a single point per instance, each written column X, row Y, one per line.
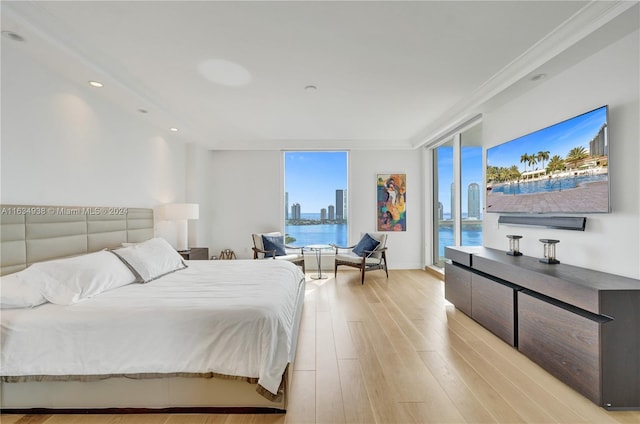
column 312, row 178
column 471, row 173
column 557, row 139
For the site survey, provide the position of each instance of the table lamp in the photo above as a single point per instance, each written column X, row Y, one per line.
column 181, row 213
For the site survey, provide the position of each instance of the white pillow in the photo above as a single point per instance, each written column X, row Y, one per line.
column 151, row 259
column 69, row 280
column 16, row 294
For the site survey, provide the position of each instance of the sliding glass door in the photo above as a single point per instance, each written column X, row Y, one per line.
column 458, row 192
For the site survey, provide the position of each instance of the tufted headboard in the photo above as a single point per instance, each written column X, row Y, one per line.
column 30, row 234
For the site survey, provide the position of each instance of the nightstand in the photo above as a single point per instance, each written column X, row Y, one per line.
column 195, row 253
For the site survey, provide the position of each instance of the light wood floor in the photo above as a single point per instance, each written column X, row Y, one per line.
column 394, row 351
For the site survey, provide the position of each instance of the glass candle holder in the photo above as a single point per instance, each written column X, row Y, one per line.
column 514, row 245
column 549, row 251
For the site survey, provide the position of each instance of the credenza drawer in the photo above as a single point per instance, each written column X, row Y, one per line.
column 492, row 305
column 457, row 287
column 562, row 342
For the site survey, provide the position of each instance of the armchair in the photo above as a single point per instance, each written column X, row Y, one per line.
column 369, row 254
column 271, row 245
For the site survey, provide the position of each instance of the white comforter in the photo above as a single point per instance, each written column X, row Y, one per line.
column 229, row 317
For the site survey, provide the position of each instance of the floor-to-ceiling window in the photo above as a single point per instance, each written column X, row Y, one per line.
column 443, row 201
column 458, row 192
column 471, row 187
column 315, row 187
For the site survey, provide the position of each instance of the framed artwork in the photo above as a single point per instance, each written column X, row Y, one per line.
column 391, row 208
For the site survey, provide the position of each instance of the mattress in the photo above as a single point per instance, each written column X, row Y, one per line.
column 230, row 318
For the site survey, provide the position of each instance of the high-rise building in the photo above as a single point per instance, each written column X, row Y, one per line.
column 332, row 213
column 440, row 211
column 598, row 145
column 323, row 214
column 340, row 205
column 473, row 201
column 295, row 211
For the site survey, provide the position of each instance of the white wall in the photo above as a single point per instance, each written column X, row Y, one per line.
column 611, row 242
column 248, row 198
column 65, row 143
column 199, row 189
column 405, row 248
column 246, row 191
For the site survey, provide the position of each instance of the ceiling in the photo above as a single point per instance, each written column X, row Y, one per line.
column 387, row 74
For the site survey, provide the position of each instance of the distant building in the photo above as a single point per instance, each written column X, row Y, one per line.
column 295, row 211
column 332, row 213
column 340, row 205
column 473, row 201
column 598, row 146
column 323, row 214
column 440, row 211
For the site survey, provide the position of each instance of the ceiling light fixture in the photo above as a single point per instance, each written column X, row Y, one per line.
column 310, row 88
column 538, row 77
column 95, row 84
column 12, row 36
column 173, row 129
column 143, row 110
column 224, row 72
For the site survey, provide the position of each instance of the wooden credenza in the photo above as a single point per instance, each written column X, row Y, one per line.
column 582, row 326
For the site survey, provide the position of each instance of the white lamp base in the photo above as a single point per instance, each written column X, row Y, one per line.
column 182, row 233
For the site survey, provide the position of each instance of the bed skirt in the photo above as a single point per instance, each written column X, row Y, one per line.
column 120, row 393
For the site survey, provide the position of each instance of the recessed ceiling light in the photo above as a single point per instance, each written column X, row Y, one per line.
column 12, row 36
column 95, row 84
column 538, row 77
column 173, row 129
column 143, row 110
column 310, row 88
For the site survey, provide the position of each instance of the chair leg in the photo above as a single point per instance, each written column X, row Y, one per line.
column 384, row 259
column 362, row 272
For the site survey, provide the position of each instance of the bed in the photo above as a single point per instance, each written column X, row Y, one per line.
column 206, row 336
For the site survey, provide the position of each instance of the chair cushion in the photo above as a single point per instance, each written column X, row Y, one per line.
column 366, row 243
column 274, row 243
column 352, row 258
column 289, row 257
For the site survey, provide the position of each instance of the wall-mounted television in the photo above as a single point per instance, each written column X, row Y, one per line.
column 563, row 168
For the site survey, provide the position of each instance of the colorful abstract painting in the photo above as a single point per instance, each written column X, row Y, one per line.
column 392, row 198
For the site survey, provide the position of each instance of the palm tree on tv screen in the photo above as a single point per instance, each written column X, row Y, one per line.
column 542, row 156
column 576, row 154
column 524, row 159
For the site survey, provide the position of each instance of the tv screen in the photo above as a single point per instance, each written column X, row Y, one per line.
column 563, row 168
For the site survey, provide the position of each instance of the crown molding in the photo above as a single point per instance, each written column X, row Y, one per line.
column 583, row 23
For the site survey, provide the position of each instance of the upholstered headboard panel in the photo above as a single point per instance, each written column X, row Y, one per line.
column 31, row 234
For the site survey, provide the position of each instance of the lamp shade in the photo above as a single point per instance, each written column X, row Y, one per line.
column 180, row 211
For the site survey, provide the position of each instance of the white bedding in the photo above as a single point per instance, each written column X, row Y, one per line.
column 235, row 318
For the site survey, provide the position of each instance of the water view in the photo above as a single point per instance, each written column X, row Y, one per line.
column 317, row 233
column 471, row 234
column 547, row 185
column 338, row 234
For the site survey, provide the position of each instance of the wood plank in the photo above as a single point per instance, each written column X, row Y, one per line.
column 329, row 406
column 197, row 419
column 302, row 402
column 357, row 405
column 382, row 397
